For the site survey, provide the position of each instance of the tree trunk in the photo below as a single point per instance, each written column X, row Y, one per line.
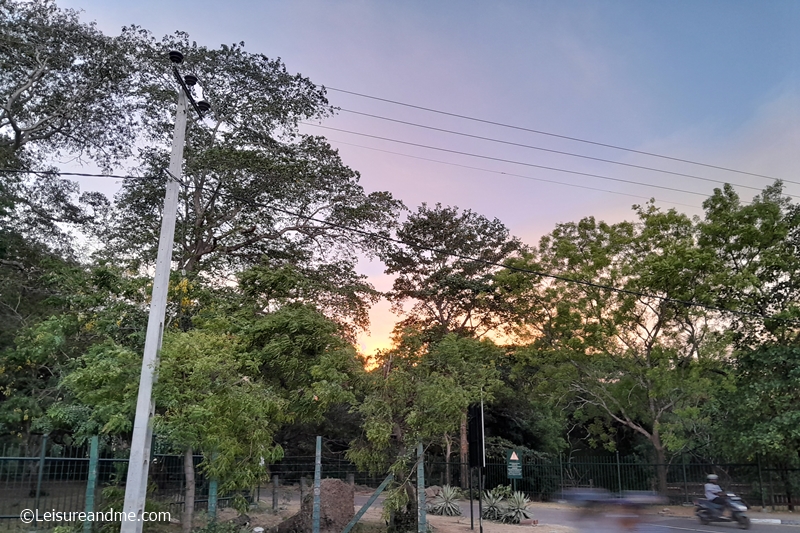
column 448, row 450
column 464, row 453
column 188, row 500
column 405, row 520
column 661, row 463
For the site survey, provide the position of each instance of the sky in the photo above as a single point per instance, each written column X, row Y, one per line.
column 710, row 81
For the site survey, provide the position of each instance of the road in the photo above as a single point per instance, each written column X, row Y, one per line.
column 602, row 523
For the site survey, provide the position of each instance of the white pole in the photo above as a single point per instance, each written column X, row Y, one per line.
column 139, row 462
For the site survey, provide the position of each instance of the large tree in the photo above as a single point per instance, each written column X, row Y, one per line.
column 64, row 85
column 417, row 394
column 444, row 264
column 637, row 356
column 255, row 190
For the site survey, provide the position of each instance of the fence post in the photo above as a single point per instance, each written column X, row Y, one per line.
column 275, row 484
column 212, row 499
column 685, row 483
column 41, row 471
column 422, row 527
column 317, row 476
column 91, row 483
column 760, row 482
column 302, row 489
column 619, row 474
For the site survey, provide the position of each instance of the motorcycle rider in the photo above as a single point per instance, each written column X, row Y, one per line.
column 714, row 493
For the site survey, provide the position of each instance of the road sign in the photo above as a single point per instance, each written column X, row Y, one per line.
column 514, row 464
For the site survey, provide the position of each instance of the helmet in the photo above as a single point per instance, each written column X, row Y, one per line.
column 712, row 477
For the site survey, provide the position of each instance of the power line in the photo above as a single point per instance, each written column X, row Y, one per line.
column 542, row 149
column 511, row 174
column 491, row 158
column 78, row 174
column 445, row 252
column 550, row 134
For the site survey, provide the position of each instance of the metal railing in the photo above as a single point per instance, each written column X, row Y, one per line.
column 51, row 477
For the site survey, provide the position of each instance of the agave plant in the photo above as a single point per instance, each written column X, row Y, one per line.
column 492, row 506
column 516, row 509
column 446, row 502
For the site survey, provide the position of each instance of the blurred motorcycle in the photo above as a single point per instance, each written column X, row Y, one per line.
column 708, row 512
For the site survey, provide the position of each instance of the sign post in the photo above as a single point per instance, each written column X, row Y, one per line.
column 514, row 466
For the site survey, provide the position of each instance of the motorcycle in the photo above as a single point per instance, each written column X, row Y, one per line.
column 708, row 512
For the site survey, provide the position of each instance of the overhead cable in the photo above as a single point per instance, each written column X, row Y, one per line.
column 550, row 134
column 522, row 163
column 542, row 149
column 336, row 141
column 419, row 246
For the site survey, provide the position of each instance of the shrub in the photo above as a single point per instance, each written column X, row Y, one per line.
column 492, row 506
column 446, row 503
column 516, row 508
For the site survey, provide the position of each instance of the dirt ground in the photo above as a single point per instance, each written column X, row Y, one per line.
column 372, row 521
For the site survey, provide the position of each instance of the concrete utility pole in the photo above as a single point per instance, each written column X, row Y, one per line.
column 139, row 462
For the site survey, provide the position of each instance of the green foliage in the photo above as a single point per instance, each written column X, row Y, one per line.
column 450, row 293
column 503, row 491
column 210, row 399
column 764, row 408
column 220, row 527
column 446, row 502
column 66, row 86
column 492, row 505
column 419, row 393
column 516, row 509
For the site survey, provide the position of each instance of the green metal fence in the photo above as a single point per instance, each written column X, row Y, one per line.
column 52, row 477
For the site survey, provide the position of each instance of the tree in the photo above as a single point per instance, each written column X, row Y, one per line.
column 637, row 356
column 64, row 85
column 418, row 393
column 256, row 191
column 763, row 410
column 211, row 400
column 755, row 250
column 444, row 265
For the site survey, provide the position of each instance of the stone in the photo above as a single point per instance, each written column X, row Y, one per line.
column 337, row 500
column 432, row 492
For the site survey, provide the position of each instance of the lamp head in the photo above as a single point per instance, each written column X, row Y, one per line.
column 190, row 80
column 176, row 57
column 203, row 105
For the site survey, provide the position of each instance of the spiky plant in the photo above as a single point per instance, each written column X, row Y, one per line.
column 446, row 502
column 492, row 506
column 516, row 509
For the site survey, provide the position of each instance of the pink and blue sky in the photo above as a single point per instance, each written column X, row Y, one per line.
column 716, row 81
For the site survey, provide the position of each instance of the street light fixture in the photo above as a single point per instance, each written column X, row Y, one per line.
column 139, row 461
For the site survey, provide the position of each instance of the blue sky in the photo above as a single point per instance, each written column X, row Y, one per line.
column 708, row 80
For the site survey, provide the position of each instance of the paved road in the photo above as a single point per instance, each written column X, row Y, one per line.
column 602, row 523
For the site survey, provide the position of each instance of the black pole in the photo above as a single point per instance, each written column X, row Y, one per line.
column 480, row 498
column 471, row 511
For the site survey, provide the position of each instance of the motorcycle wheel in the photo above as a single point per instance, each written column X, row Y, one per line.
column 744, row 522
column 704, row 521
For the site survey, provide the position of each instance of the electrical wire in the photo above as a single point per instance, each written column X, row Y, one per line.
column 419, row 246
column 522, row 163
column 542, row 149
column 550, row 134
column 337, row 141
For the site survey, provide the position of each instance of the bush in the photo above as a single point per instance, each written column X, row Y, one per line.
column 516, row 509
column 492, row 506
column 446, row 503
